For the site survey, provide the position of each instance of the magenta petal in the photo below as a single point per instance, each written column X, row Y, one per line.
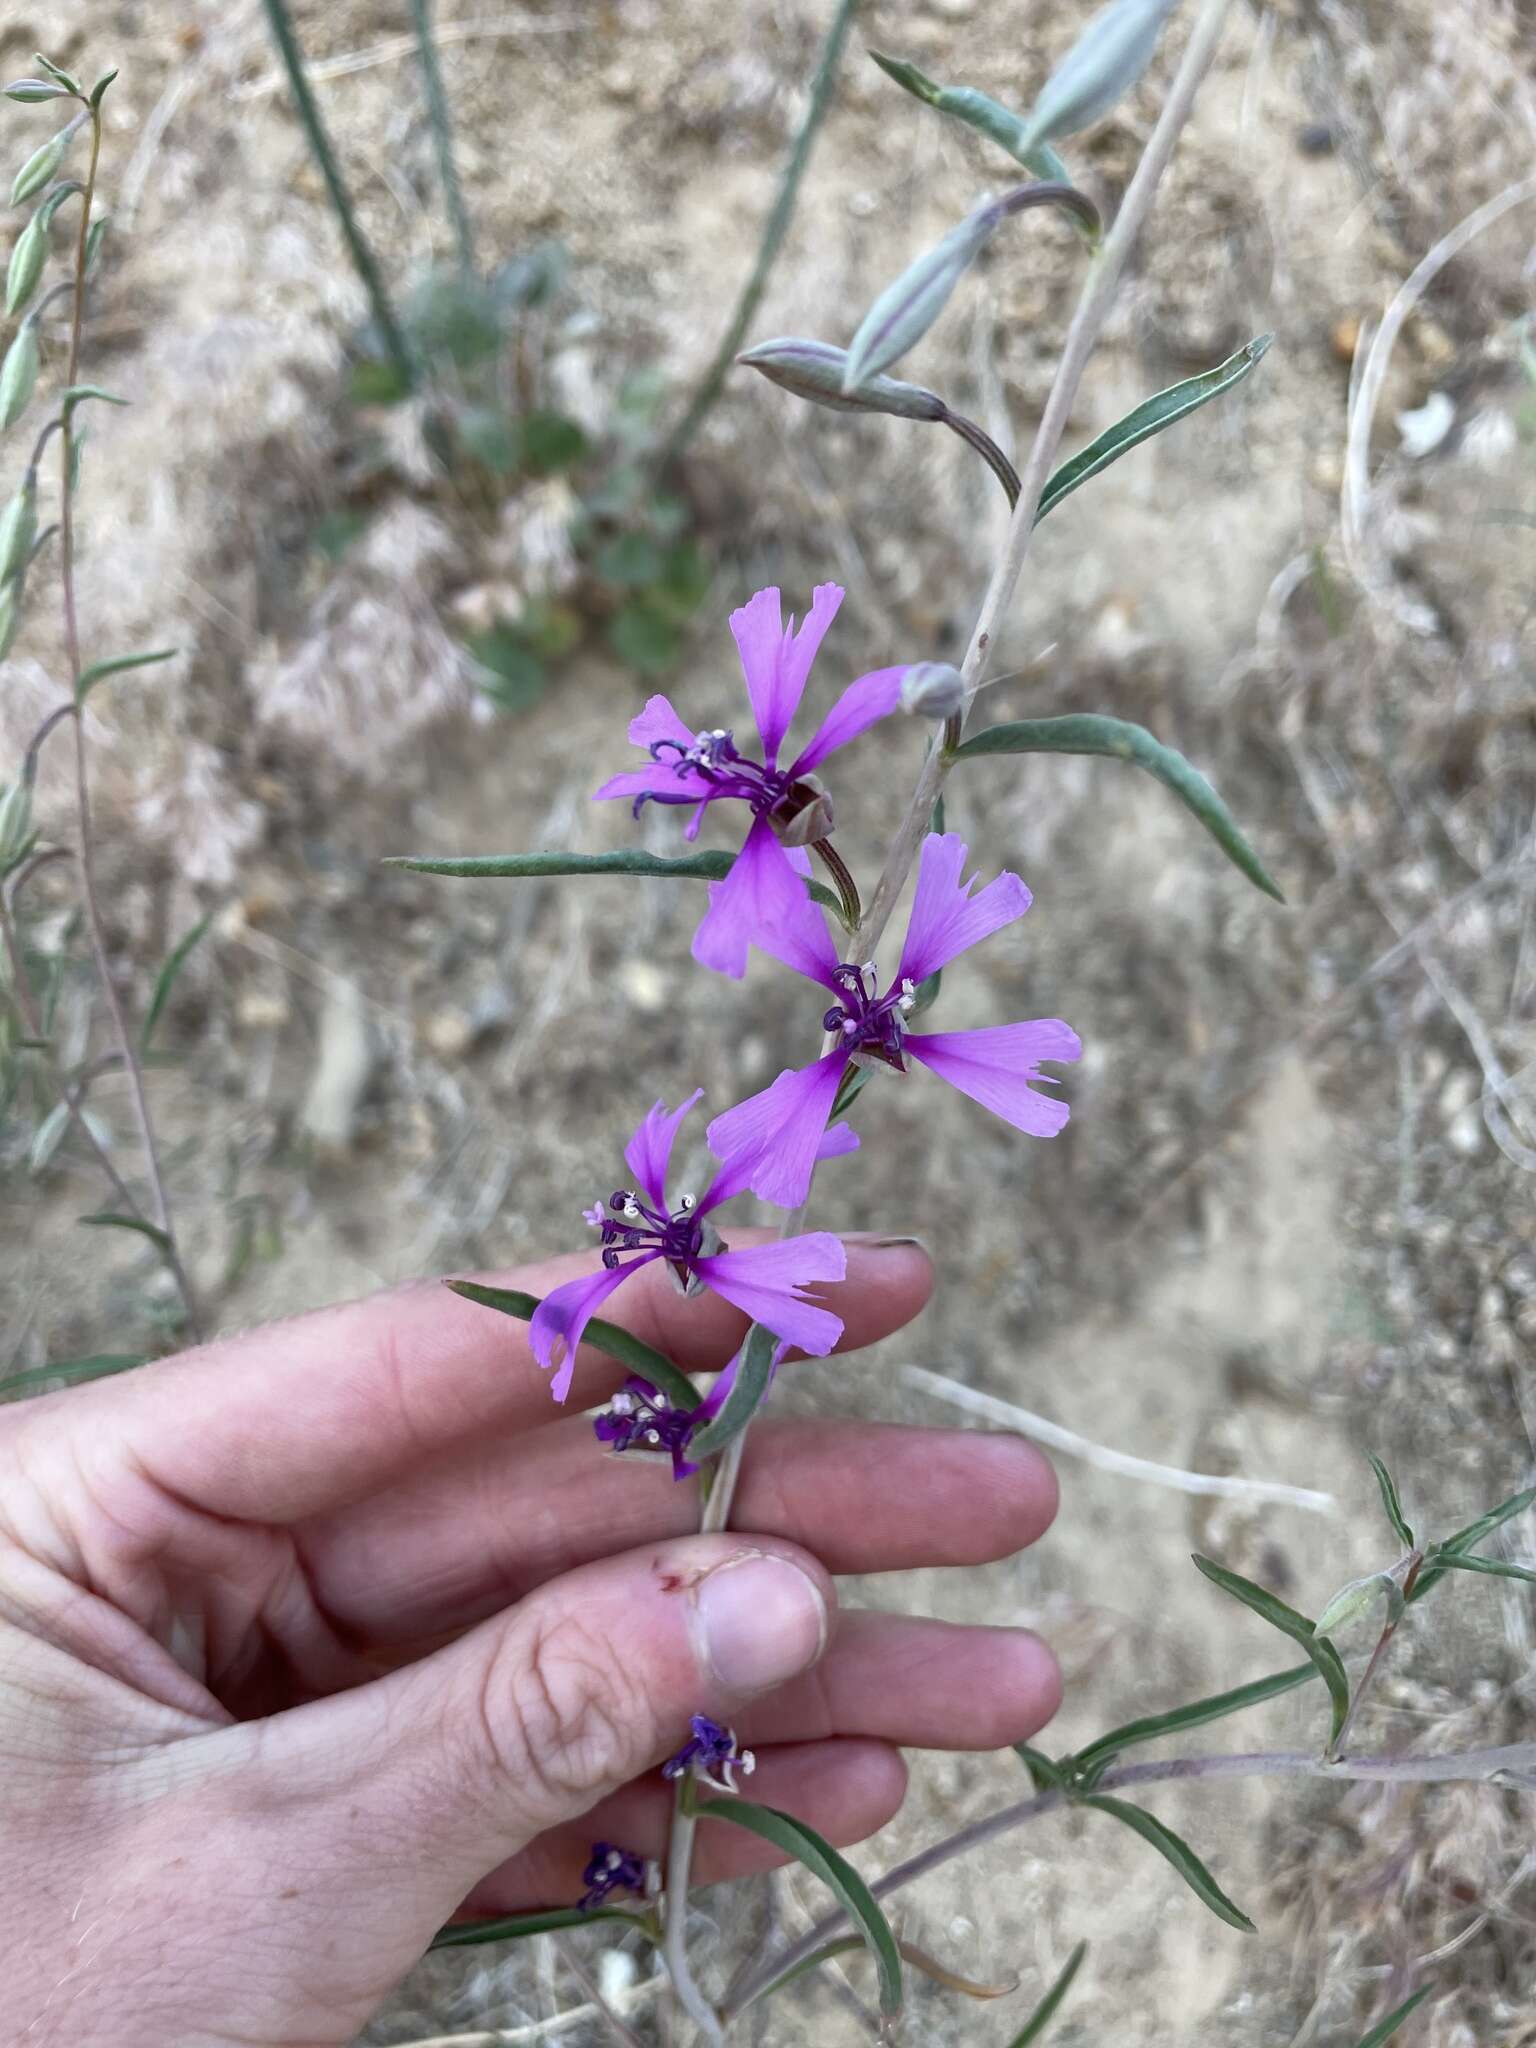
column 946, row 918
column 780, row 1131
column 761, row 892
column 776, row 661
column 996, row 1065
column 719, row 1393
column 656, row 780
column 658, row 721
column 564, row 1313
column 837, row 1143
column 765, row 1281
column 649, row 1151
column 871, row 698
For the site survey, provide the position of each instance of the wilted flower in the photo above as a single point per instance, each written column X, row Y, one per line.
column 932, row 689
column 610, row 1870
column 766, row 1281
column 698, row 769
column 641, row 1418
column 712, row 1755
column 780, row 1129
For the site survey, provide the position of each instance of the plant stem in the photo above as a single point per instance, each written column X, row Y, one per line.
column 442, row 133
column 1516, row 1762
column 713, row 380
column 1378, row 1657
column 679, row 1865
column 127, row 1051
column 1087, row 323
column 363, row 262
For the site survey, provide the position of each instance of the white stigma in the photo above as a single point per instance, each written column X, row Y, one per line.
column 622, row 1404
column 849, row 1027
column 689, row 1202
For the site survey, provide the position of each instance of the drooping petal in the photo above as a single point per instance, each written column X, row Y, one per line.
column 658, row 721
column 650, row 1150
column 871, row 698
column 774, row 1138
column 659, row 779
column 765, row 1281
column 946, row 917
column 761, row 892
column 996, row 1065
column 564, row 1313
column 795, row 931
column 837, row 1143
column 777, row 660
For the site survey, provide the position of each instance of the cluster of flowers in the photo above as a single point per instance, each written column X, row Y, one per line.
column 713, row 1757
column 772, row 1143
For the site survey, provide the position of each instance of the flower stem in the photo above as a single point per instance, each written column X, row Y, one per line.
column 127, row 1051
column 363, row 261
column 442, row 133
column 1336, row 1748
column 987, row 449
column 713, row 380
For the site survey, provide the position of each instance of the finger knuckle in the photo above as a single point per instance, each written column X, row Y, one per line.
column 561, row 1721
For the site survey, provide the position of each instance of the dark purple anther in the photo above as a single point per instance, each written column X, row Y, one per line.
column 712, row 1755
column 610, row 1870
column 641, row 1418
column 866, row 1021
column 635, row 1226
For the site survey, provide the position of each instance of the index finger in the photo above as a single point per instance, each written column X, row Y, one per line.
column 306, row 1416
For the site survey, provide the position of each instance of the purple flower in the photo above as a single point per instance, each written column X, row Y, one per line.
column 702, row 768
column 641, row 1418
column 780, row 1129
column 711, row 1754
column 610, row 1870
column 764, row 1280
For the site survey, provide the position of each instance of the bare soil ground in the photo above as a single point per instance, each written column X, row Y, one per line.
column 1291, row 1220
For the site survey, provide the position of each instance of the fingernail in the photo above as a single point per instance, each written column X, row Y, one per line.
column 869, row 1241
column 760, row 1621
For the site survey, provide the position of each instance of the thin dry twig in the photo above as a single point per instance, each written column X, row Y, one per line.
column 1039, row 1430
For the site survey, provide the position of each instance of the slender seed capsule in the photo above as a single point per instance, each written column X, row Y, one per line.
column 40, row 167
column 815, row 370
column 1100, row 68
column 18, row 529
column 18, row 373
column 26, row 265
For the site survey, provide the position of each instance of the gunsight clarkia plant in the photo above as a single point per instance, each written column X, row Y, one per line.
column 697, row 769
column 712, row 1755
column 998, row 1065
column 638, row 1226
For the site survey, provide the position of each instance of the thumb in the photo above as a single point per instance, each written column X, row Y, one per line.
column 540, row 1712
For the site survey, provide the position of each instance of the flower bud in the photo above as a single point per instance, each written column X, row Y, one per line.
column 1353, row 1600
column 932, row 689
column 18, row 529
column 1101, row 67
column 32, row 90
column 905, row 310
column 40, row 166
column 26, row 265
column 18, row 374
column 10, row 614
column 816, row 370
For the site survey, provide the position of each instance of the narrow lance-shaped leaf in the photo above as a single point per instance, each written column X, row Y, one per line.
column 823, row 1861
column 1162, row 410
column 977, row 111
column 68, row 1372
column 111, row 1219
column 1086, row 733
column 100, row 670
column 692, row 867
column 1468, row 1539
column 1048, row 2007
column 1292, row 1624
column 1178, row 1853
column 639, row 1358
column 1386, row 2028
column 753, row 1377
column 1045, row 1774
column 165, row 980
column 65, row 78
column 1390, row 1502
column 1492, row 1567
column 1196, row 1715
column 518, row 1926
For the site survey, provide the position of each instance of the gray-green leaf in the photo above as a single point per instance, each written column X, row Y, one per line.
column 693, row 867
column 1083, row 733
column 822, row 1860
column 67, row 1372
column 1178, row 1853
column 111, row 1219
column 1273, row 1610
column 1196, row 1714
column 1047, row 2009
column 165, row 980
column 753, row 1376
column 517, row 1926
column 1164, row 409
column 1388, row 2027
column 977, row 111
column 100, row 670
column 1468, row 1539
column 1390, row 1502
column 630, row 1352
column 1493, row 1567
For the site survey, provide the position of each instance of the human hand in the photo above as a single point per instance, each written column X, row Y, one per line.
column 314, row 1637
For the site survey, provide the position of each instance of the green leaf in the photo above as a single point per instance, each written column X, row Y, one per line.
column 110, row 1219
column 1390, row 1501
column 65, row 78
column 744, row 1399
column 99, row 88
column 1290, row 1623
column 1046, row 2010
column 630, row 559
column 335, row 531
column 1149, row 418
column 855, row 1080
column 516, row 1926
column 645, row 638
column 1196, row 1715
column 68, row 1371
column 823, row 1861
column 1468, row 1539
column 1494, row 1567
column 1045, row 1774
column 513, row 675
column 1081, row 733
column 551, row 442
column 1389, row 2026
column 100, row 670
column 977, row 111
column 78, row 393
column 692, row 867
column 165, row 980
column 488, row 437
column 373, row 382
column 629, row 1351
column 1178, row 1853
